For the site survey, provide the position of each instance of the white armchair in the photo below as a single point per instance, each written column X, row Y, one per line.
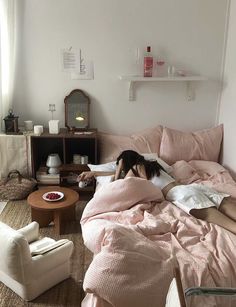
column 27, row 275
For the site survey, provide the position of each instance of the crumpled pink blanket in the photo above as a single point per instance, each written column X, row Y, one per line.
column 137, row 237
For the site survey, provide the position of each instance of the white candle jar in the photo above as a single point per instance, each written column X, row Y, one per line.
column 53, row 126
column 38, row 129
column 28, row 125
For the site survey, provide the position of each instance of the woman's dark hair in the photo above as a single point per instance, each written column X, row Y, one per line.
column 131, row 158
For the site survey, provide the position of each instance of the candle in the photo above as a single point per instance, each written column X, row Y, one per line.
column 38, row 129
column 53, row 126
column 28, row 125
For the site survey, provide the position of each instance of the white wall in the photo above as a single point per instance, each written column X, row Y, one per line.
column 189, row 33
column 228, row 101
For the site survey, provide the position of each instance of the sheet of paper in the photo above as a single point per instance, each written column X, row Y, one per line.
column 70, row 60
column 74, row 61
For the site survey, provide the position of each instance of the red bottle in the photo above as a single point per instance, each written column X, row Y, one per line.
column 148, row 63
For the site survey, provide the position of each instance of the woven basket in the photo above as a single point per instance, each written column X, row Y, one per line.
column 15, row 186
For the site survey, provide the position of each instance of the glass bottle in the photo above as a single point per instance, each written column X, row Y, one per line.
column 148, row 63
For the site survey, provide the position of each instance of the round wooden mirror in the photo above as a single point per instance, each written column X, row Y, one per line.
column 77, row 110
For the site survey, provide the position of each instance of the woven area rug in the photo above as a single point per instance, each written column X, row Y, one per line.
column 2, row 205
column 69, row 292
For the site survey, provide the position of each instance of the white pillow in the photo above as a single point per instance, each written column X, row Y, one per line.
column 111, row 167
column 106, row 167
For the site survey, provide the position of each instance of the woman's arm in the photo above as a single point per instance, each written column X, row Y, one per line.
column 92, row 174
column 119, row 170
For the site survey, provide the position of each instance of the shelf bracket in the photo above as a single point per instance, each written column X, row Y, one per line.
column 190, row 91
column 131, row 91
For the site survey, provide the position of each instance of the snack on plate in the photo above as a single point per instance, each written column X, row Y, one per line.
column 53, row 196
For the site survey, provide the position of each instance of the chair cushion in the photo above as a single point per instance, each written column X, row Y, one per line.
column 15, row 252
column 30, row 232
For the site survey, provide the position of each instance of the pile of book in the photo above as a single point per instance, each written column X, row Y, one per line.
column 43, row 177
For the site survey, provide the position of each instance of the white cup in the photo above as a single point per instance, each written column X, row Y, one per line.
column 28, row 125
column 38, row 129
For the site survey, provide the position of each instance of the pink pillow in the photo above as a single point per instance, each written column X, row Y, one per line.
column 148, row 140
column 111, row 145
column 200, row 145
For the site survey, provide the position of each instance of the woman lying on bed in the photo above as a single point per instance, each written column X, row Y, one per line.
column 195, row 199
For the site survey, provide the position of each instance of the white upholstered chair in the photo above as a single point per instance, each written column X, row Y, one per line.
column 27, row 275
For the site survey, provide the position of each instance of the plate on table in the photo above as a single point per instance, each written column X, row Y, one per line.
column 53, row 196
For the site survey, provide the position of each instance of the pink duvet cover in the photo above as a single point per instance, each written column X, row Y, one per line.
column 137, row 237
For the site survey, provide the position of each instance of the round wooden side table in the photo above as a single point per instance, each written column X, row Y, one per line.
column 44, row 212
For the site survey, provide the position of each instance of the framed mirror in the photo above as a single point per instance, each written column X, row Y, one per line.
column 77, row 110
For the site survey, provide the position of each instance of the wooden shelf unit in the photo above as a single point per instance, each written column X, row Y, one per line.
column 66, row 145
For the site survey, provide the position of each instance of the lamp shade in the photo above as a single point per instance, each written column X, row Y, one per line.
column 53, row 162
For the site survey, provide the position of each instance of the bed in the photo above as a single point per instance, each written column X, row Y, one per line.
column 137, row 237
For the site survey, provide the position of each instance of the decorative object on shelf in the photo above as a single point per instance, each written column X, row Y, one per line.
column 77, row 159
column 38, row 129
column 160, row 61
column 77, row 111
column 148, row 63
column 171, row 71
column 181, row 73
column 84, row 159
column 53, row 126
column 53, row 162
column 52, row 108
column 28, row 124
column 160, row 67
column 11, row 123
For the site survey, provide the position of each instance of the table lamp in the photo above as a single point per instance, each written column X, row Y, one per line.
column 53, row 162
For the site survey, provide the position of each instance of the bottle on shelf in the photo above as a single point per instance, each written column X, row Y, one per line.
column 148, row 63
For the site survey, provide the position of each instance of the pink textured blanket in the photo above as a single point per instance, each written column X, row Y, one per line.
column 136, row 237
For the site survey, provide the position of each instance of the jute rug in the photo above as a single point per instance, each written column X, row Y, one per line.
column 69, row 292
column 2, row 205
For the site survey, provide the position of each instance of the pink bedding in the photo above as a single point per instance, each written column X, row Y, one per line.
column 137, row 237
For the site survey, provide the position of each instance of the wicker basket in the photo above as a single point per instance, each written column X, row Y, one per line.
column 15, row 186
